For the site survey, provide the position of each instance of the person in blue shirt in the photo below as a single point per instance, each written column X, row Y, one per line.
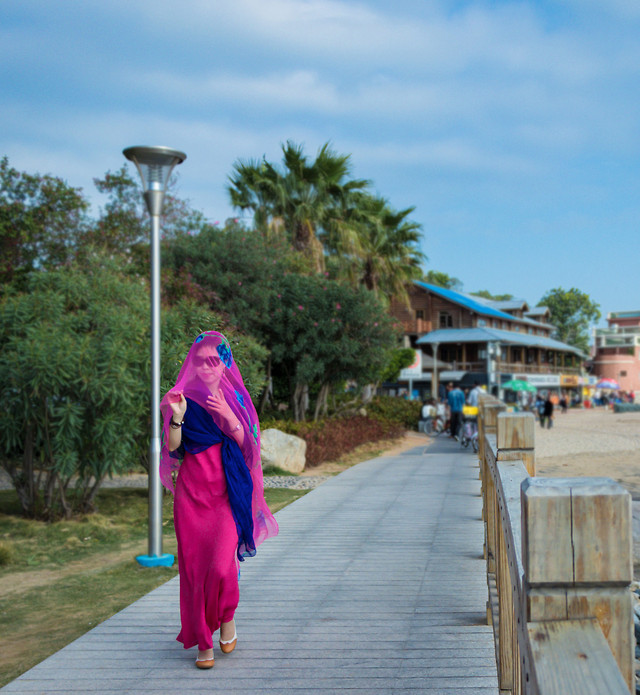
column 455, row 397
column 472, row 400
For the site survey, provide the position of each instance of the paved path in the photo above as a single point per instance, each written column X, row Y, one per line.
column 374, row 585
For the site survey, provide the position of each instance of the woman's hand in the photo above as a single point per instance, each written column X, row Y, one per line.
column 218, row 406
column 179, row 408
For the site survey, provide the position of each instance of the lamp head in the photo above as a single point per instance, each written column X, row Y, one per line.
column 154, row 165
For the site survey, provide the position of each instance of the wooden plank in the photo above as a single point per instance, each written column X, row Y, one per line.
column 505, row 600
column 610, row 606
column 516, row 431
column 515, row 439
column 572, row 657
column 585, row 572
column 590, row 519
column 546, row 512
column 491, row 504
column 405, row 604
column 492, row 444
column 602, row 533
column 511, row 474
column 491, row 412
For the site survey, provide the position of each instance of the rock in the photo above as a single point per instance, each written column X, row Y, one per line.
column 285, row 451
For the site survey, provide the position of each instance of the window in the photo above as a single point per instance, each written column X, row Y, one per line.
column 446, row 320
column 419, row 313
column 481, row 323
column 623, row 373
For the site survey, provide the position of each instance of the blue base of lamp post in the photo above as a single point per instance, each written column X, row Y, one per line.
column 165, row 560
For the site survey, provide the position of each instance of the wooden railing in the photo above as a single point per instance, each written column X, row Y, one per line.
column 559, row 568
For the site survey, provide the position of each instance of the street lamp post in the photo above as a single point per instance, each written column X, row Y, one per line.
column 155, row 165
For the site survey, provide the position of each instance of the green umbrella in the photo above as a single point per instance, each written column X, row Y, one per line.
column 518, row 385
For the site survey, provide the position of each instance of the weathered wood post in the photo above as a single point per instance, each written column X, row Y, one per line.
column 515, row 439
column 491, row 411
column 515, row 442
column 577, row 558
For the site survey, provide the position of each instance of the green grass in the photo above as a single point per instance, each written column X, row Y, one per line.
column 121, row 518
column 275, row 470
column 279, row 497
column 48, row 602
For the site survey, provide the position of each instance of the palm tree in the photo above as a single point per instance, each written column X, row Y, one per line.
column 301, row 200
column 381, row 251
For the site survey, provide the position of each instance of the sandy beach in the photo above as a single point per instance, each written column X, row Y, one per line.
column 591, row 443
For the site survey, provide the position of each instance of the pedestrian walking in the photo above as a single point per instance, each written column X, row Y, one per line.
column 547, row 413
column 212, row 440
column 455, row 397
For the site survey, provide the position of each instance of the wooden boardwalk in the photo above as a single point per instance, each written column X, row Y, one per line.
column 376, row 584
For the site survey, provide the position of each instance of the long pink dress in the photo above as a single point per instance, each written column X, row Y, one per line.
column 207, row 545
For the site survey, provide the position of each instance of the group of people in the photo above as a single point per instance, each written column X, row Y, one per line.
column 606, row 398
column 544, row 408
column 450, row 406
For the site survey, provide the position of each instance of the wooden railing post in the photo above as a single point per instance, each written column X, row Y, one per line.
column 490, row 418
column 577, row 558
column 515, row 439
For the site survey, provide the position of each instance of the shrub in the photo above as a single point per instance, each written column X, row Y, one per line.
column 397, row 410
column 329, row 439
column 74, row 379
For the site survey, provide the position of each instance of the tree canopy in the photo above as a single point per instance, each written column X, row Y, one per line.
column 572, row 312
column 299, row 199
column 331, row 219
column 495, row 297
column 323, row 333
column 440, row 279
column 42, row 219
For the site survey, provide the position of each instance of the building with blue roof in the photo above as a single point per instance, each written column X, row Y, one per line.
column 484, row 341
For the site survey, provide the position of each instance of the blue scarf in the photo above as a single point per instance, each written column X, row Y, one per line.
column 199, row 432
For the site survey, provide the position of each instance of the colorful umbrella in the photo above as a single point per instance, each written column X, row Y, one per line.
column 611, row 384
column 518, row 385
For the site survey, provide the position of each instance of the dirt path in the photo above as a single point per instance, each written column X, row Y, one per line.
column 16, row 583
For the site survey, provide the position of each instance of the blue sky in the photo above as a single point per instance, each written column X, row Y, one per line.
column 512, row 127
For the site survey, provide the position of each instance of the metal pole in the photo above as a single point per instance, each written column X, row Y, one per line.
column 155, row 489
column 154, row 165
column 154, row 200
column 435, row 376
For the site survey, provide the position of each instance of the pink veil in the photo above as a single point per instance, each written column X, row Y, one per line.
column 239, row 400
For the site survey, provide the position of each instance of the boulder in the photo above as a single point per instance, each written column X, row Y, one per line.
column 282, row 450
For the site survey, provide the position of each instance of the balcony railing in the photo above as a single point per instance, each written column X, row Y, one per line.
column 513, row 367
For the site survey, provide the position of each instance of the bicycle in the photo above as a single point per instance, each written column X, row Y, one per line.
column 434, row 426
column 468, row 433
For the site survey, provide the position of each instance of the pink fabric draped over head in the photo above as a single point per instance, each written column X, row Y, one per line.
column 208, row 368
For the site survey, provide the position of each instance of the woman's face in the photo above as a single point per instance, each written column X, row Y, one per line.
column 208, row 365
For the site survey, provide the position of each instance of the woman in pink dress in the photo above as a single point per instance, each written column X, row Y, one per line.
column 220, row 514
